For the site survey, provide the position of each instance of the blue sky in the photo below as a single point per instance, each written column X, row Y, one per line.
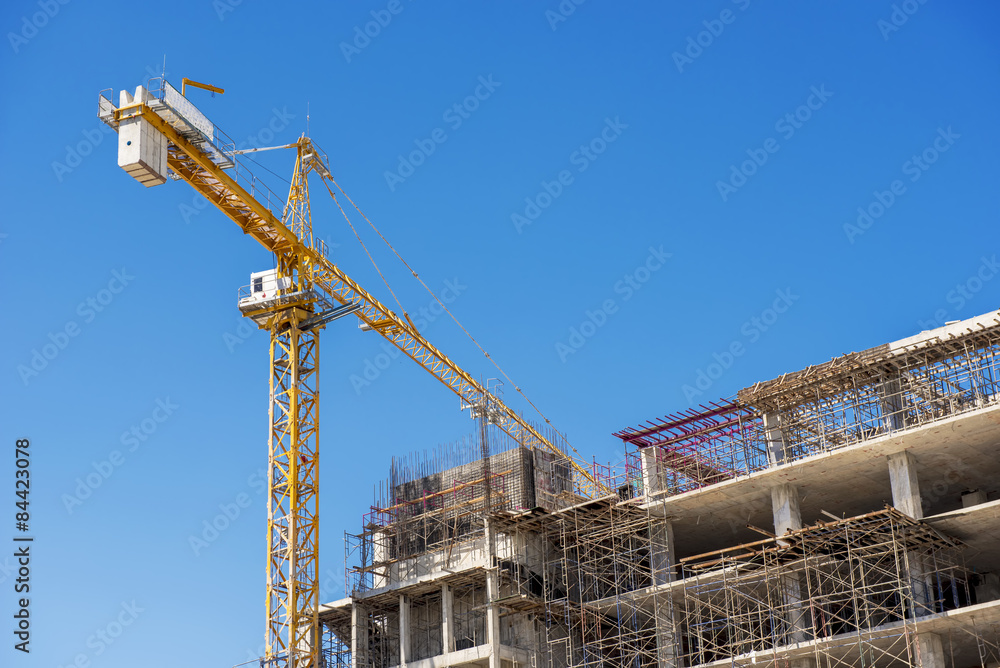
column 668, row 172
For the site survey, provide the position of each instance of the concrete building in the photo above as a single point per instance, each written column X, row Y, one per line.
column 841, row 516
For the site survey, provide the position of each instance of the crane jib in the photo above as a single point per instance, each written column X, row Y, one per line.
column 256, row 218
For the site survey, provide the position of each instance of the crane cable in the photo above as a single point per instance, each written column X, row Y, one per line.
column 374, row 264
column 438, row 300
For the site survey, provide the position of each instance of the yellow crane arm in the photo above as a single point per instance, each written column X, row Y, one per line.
column 259, row 221
column 185, row 82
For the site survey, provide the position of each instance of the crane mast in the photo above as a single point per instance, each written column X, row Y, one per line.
column 292, row 602
column 162, row 134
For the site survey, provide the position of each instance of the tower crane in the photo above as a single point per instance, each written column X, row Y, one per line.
column 162, row 134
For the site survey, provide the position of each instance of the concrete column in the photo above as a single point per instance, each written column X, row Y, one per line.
column 788, row 517
column 651, row 471
column 796, row 612
column 359, row 636
column 662, row 553
column 989, row 588
column 492, row 594
column 894, row 417
column 404, row 629
column 906, row 499
column 928, row 650
column 666, row 635
column 447, row 615
column 785, row 508
column 775, row 439
column 905, row 486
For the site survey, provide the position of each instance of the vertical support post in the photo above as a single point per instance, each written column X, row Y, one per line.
column 447, row 616
column 404, row 629
column 359, row 636
column 775, row 439
column 667, row 623
column 893, row 408
column 928, row 650
column 785, row 508
column 662, row 552
column 492, row 594
column 652, row 481
column 906, row 499
column 788, row 517
column 905, row 485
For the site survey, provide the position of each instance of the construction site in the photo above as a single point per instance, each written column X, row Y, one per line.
column 842, row 516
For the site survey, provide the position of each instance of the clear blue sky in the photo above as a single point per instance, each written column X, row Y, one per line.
column 833, row 103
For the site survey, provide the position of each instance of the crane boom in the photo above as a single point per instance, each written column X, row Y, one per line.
column 258, row 219
column 160, row 134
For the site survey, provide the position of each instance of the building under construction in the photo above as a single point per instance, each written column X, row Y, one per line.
column 841, row 516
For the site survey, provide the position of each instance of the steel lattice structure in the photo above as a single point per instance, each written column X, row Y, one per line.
column 205, row 158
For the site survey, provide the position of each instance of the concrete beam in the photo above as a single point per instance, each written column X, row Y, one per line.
column 905, row 486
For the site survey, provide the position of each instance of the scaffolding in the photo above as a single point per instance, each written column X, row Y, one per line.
column 596, row 584
column 878, row 392
column 438, row 502
column 589, row 570
column 849, row 593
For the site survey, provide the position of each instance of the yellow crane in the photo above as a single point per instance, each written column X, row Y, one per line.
column 162, row 134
